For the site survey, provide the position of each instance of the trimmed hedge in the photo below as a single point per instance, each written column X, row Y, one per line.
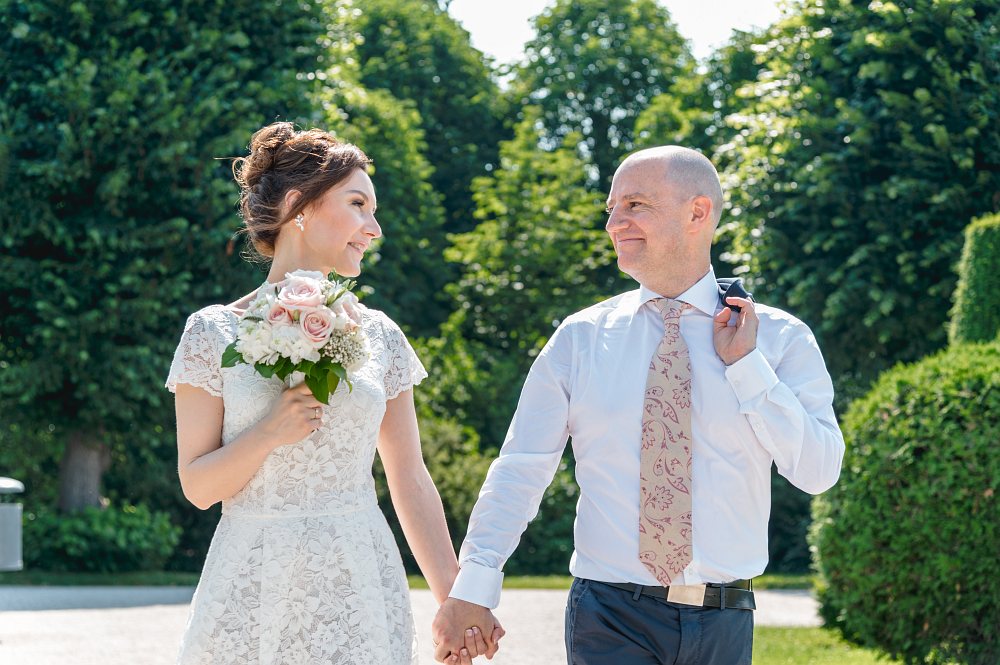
column 117, row 539
column 907, row 542
column 976, row 315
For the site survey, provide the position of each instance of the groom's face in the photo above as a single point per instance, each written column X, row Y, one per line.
column 645, row 219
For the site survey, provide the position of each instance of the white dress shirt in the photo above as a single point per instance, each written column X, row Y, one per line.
column 588, row 383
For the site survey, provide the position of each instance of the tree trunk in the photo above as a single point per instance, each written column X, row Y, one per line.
column 84, row 462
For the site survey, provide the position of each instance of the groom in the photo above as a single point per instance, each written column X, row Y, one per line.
column 677, row 405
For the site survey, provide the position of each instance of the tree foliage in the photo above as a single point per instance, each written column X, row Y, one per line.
column 115, row 214
column 693, row 113
column 405, row 275
column 416, row 51
column 593, row 67
column 863, row 150
column 534, row 258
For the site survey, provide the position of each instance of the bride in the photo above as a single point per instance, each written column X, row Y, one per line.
column 303, row 567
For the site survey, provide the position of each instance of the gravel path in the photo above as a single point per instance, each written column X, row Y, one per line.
column 143, row 625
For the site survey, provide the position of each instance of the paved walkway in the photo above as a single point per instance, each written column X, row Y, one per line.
column 143, row 625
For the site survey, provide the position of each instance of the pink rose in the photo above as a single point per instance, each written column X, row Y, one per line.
column 279, row 315
column 317, row 325
column 300, row 293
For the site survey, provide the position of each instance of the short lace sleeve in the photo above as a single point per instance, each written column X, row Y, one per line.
column 198, row 358
column 403, row 369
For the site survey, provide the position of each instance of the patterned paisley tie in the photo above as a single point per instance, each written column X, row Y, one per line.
column 665, row 460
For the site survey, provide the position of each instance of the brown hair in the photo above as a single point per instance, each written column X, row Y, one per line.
column 282, row 159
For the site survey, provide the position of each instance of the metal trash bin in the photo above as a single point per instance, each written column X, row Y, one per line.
column 10, row 525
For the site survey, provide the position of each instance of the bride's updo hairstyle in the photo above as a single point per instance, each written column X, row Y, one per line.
column 281, row 159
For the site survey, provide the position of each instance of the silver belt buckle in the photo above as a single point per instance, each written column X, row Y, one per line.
column 688, row 594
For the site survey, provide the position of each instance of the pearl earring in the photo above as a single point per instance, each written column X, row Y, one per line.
column 299, row 219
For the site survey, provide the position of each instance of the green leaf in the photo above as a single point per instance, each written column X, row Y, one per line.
column 284, row 370
column 267, row 371
column 231, row 356
column 318, row 387
column 341, row 374
column 332, row 381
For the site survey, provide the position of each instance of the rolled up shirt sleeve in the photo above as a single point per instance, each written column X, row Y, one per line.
column 517, row 479
column 790, row 409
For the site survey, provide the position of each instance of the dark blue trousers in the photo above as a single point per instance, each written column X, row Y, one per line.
column 605, row 626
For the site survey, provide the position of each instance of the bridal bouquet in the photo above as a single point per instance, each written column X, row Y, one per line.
column 306, row 323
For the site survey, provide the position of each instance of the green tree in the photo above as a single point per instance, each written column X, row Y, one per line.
column 860, row 155
column 534, row 258
column 693, row 113
column 593, row 67
column 406, row 274
column 115, row 215
column 416, row 51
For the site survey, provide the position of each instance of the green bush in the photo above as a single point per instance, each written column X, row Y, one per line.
column 787, row 549
column 452, row 455
column 547, row 544
column 976, row 315
column 907, row 541
column 113, row 540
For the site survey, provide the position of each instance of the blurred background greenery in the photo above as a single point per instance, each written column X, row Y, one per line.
column 856, row 141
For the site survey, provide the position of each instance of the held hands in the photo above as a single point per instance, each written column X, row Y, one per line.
column 458, row 632
column 735, row 342
column 295, row 415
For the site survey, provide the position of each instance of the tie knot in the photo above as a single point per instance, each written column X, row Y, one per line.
column 670, row 308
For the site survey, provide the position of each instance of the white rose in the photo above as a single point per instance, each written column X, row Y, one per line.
column 261, row 304
column 347, row 304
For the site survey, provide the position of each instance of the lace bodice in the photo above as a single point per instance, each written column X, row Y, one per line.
column 330, row 471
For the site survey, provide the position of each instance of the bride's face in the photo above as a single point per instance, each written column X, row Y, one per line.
column 341, row 225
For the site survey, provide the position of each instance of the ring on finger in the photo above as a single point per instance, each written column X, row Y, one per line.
column 317, row 413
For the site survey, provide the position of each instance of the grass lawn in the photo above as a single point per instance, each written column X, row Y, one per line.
column 39, row 578
column 812, row 646
column 770, row 581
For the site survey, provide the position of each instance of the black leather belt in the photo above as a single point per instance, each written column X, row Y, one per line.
column 736, row 595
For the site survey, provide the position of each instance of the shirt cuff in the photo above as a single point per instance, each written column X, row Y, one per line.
column 478, row 584
column 750, row 376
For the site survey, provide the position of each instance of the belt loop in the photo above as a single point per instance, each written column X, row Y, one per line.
column 638, row 592
column 722, row 596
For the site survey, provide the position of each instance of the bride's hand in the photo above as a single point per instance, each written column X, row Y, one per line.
column 295, row 415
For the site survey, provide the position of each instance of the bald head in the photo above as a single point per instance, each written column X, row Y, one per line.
column 688, row 173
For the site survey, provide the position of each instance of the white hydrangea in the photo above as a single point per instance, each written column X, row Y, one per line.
column 288, row 341
column 254, row 342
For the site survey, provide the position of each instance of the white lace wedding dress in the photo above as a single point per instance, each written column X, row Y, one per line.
column 303, row 567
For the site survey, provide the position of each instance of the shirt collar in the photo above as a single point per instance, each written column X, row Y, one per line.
column 703, row 294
